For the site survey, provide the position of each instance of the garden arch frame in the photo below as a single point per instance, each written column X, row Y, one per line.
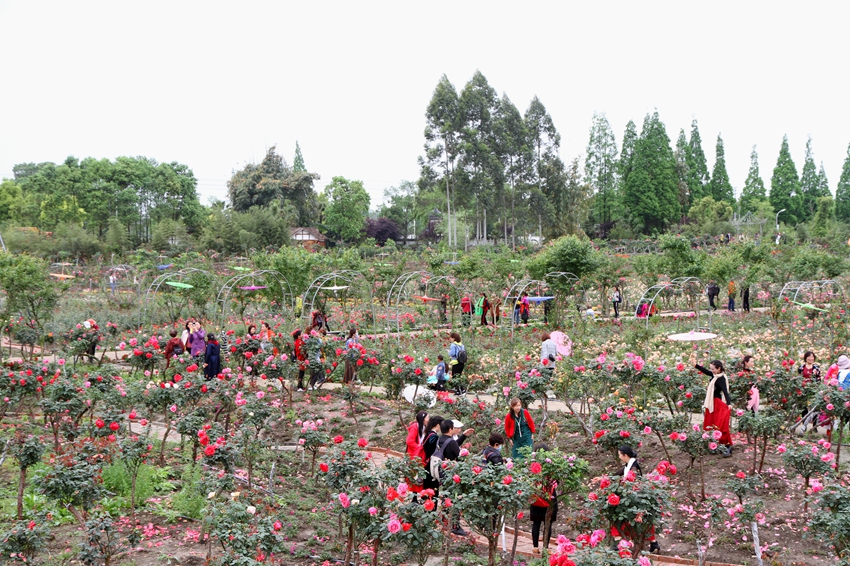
column 796, row 287
column 573, row 283
column 516, row 291
column 223, row 297
column 155, row 285
column 334, row 281
column 397, row 293
column 651, row 295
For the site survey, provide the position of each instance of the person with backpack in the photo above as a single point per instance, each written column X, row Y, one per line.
column 457, row 361
column 429, row 446
column 466, row 310
column 519, row 427
column 448, row 450
column 712, row 291
column 492, row 453
column 173, row 348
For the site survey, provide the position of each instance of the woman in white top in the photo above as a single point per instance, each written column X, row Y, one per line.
column 548, row 351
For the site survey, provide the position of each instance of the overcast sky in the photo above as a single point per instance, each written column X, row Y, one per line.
column 213, row 84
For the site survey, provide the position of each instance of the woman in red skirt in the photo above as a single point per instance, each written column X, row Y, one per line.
column 716, row 405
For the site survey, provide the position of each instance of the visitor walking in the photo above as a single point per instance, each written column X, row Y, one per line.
column 301, row 356
column 353, row 341
column 809, row 370
column 629, row 472
column 524, row 308
column 457, row 361
column 519, row 427
column 548, row 351
column 540, row 507
column 466, row 310
column 197, row 342
column 732, row 290
column 482, row 306
column 716, row 405
column 745, row 298
column 429, row 445
column 616, row 299
column 173, row 348
column 712, row 291
column 317, row 372
column 112, row 281
column 212, row 358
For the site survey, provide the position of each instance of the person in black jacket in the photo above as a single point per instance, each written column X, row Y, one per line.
column 429, row 445
column 212, row 358
column 451, row 441
column 493, row 452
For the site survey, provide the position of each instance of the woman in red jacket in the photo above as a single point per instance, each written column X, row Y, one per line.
column 416, row 434
column 301, row 356
column 519, row 427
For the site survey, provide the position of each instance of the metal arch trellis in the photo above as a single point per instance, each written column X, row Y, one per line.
column 808, row 286
column 573, row 290
column 651, row 294
column 153, row 288
column 514, row 293
column 334, row 281
column 398, row 291
column 819, row 295
column 223, row 297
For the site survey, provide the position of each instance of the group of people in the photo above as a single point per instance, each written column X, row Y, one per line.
column 712, row 290
column 200, row 345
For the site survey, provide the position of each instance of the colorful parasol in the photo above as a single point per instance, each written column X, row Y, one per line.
column 164, row 266
column 809, row 306
column 179, row 285
column 239, row 268
column 252, row 287
column 539, row 299
column 62, row 276
column 335, row 288
column 563, row 343
column 423, row 298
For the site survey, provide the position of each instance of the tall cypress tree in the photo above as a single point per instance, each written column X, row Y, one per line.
column 512, row 147
column 754, row 190
column 809, row 192
column 651, row 194
column 785, row 186
column 298, row 161
column 842, row 192
column 600, row 169
column 721, row 188
column 697, row 167
column 630, row 137
column 681, row 155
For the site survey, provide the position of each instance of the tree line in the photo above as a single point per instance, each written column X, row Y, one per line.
column 483, row 156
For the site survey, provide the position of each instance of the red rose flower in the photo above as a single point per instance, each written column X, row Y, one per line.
column 535, row 468
column 323, row 467
column 99, row 423
column 613, row 499
column 362, row 442
column 604, row 483
column 209, row 450
column 338, row 439
column 114, row 426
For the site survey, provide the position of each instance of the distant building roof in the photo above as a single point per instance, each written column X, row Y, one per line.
column 306, row 234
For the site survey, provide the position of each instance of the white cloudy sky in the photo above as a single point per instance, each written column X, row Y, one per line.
column 213, row 84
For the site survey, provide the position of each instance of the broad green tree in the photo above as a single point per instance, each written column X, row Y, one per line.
column 600, row 169
column 785, row 186
column 754, row 189
column 842, row 192
column 348, row 207
column 651, row 194
column 11, row 201
column 698, row 178
column 720, row 187
column 30, row 292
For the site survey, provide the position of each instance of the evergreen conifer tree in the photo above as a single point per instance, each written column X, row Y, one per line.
column 842, row 191
column 754, row 190
column 809, row 185
column 721, row 188
column 298, row 161
column 651, row 193
column 600, row 169
column 681, row 155
column 697, row 167
column 785, row 186
column 630, row 138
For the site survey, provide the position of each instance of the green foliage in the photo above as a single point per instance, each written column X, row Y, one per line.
column 11, row 201
column 650, row 193
column 680, row 259
column 754, row 189
column 73, row 481
column 23, row 541
column 698, row 178
column 783, row 183
column 708, row 211
column 103, row 541
column 831, row 519
column 600, row 169
column 30, row 292
column 191, row 500
column 842, row 192
column 347, row 210
column 720, row 187
column 570, row 253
